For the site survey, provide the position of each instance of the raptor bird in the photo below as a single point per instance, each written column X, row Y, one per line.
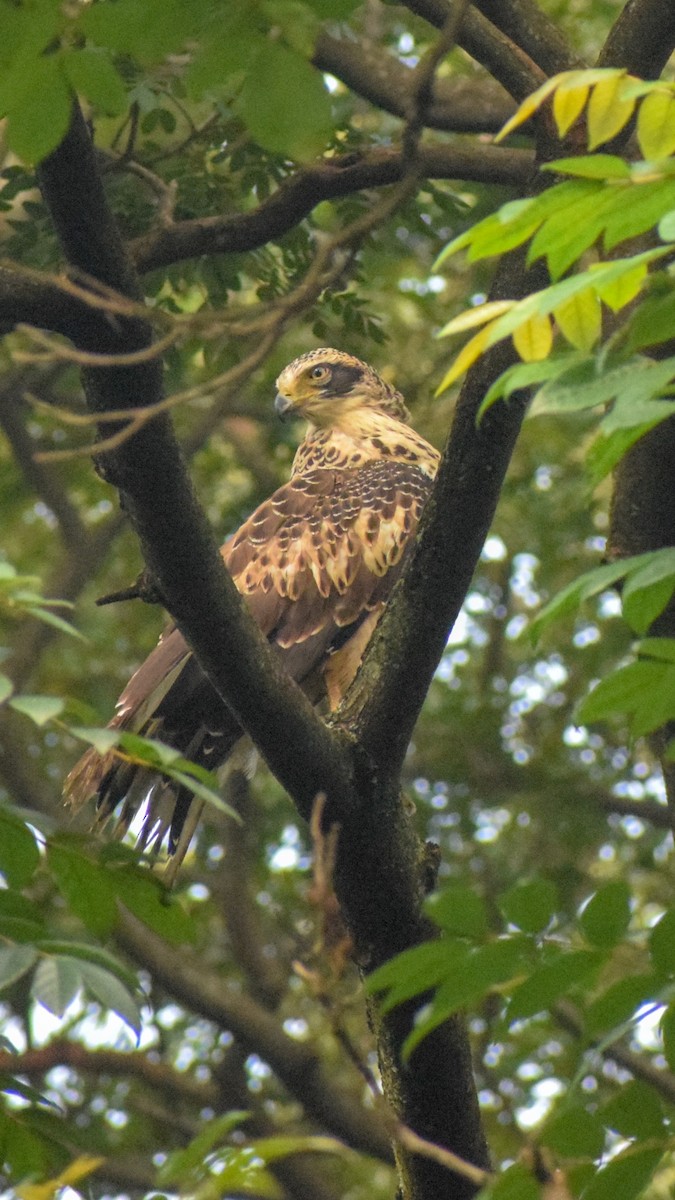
column 315, row 563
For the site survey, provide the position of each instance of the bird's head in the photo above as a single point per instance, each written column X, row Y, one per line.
column 324, row 385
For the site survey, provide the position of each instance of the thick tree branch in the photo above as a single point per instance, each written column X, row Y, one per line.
column 533, row 32
column 505, row 61
column 329, row 179
column 158, row 1076
column 642, row 38
column 457, row 106
column 28, row 298
column 177, row 542
column 295, row 1063
column 382, row 706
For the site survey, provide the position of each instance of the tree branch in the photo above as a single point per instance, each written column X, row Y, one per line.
column 176, row 539
column 295, row 1063
column 383, row 705
column 504, row 60
column 533, row 32
column 457, row 105
column 330, row 179
column 569, row 1017
column 157, row 1075
column 642, row 38
column 42, row 479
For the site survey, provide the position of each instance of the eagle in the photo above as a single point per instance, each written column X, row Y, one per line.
column 315, row 564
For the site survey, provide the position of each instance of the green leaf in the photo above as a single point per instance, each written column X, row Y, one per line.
column 284, row 103
column 606, row 452
column 40, row 709
column 105, row 987
column 652, row 321
column 149, row 31
column 458, row 910
column 20, row 919
column 553, row 979
column 56, row 983
column 517, row 1182
column 6, row 688
column 16, row 1087
column 605, row 918
column 649, row 202
column 591, row 166
column 92, row 74
column 531, row 905
column 102, row 739
column 39, row 111
column 148, row 899
column 619, row 1002
column 634, row 1112
column 93, row 955
column 662, row 943
column 574, row 1133
column 227, row 51
column 416, row 970
column 526, row 375
column 590, row 584
column 656, row 124
column 626, row 1175
column 483, row 970
column 15, row 961
column 51, row 618
column 647, row 592
column 86, row 886
column 668, row 1035
column 182, row 1163
column 644, row 690
column 19, row 854
column 666, row 227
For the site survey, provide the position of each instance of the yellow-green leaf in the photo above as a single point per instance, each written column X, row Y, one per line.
column 530, row 105
column 466, row 358
column 656, row 125
column 608, row 110
column 568, row 103
column 79, row 1169
column 619, row 292
column 533, row 339
column 476, row 316
column 579, row 319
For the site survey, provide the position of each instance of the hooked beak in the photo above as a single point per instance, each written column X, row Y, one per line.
column 283, row 406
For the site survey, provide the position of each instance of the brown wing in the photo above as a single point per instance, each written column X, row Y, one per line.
column 323, row 552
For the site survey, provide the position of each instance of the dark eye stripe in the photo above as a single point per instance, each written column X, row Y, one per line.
column 344, row 378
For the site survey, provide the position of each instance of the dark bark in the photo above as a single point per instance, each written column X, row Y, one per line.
column 305, row 755
column 533, row 31
column 330, row 179
column 457, row 105
column 506, row 61
column 642, row 38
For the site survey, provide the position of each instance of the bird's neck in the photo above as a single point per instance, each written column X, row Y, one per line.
column 363, row 437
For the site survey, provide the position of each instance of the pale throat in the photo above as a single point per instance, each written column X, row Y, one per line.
column 361, row 435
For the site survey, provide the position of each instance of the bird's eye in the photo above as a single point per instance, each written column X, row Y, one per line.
column 319, row 373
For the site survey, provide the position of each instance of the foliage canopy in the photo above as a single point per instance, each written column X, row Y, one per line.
column 282, row 173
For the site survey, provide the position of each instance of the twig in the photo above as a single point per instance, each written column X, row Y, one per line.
column 438, row 1154
column 58, row 352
